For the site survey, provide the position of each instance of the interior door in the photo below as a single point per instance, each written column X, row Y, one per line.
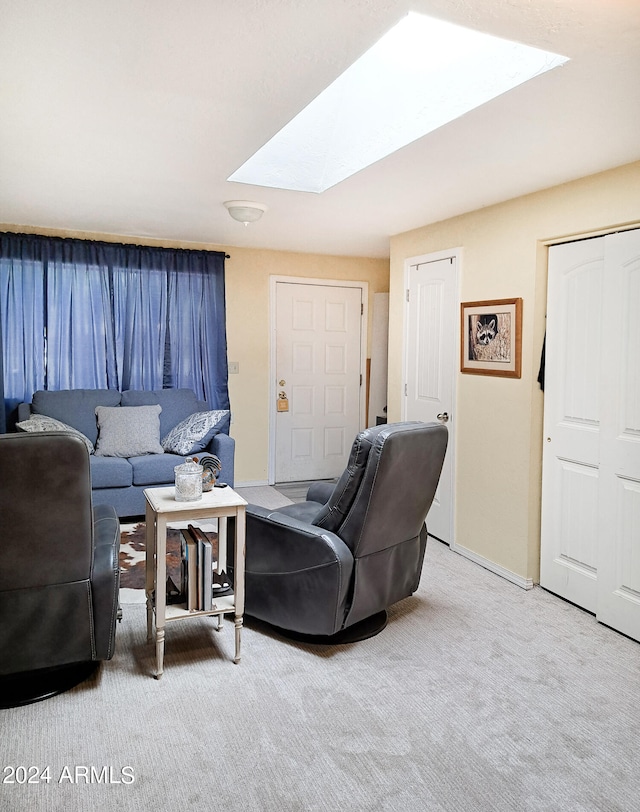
column 571, row 453
column 619, row 525
column 318, row 378
column 430, row 368
column 590, row 546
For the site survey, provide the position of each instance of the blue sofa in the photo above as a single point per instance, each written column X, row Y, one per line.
column 120, row 481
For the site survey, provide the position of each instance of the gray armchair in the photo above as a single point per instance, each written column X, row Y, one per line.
column 59, row 569
column 328, row 568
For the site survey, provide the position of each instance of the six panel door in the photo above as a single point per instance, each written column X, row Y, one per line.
column 590, row 546
column 318, row 362
column 430, row 369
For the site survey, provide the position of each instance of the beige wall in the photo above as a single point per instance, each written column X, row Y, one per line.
column 499, row 420
column 247, row 277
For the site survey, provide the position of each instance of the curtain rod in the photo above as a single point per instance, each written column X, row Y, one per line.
column 28, row 235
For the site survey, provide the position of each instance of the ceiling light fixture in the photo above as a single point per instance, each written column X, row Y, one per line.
column 245, row 211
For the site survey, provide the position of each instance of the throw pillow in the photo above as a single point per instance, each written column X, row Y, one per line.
column 41, row 422
column 194, row 433
column 128, row 431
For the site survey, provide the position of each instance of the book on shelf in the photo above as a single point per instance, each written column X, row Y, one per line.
column 201, row 582
column 189, row 570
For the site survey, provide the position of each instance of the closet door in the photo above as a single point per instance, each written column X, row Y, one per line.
column 619, row 505
column 590, row 547
column 571, row 469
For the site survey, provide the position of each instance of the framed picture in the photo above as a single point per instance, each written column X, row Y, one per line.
column 491, row 337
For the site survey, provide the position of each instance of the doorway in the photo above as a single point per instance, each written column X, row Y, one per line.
column 318, row 348
column 430, row 365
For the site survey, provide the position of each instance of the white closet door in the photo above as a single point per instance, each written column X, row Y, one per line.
column 619, row 526
column 569, row 553
column 590, row 546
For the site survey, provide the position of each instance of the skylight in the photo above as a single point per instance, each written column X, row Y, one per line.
column 422, row 74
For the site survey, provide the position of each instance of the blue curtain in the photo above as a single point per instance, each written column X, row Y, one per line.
column 79, row 342
column 22, row 297
column 140, row 284
column 78, row 314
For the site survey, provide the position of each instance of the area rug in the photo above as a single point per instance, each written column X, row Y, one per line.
column 132, row 558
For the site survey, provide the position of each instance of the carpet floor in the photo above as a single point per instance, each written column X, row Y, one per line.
column 477, row 697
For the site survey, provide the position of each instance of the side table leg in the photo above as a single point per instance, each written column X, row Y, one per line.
column 238, row 625
column 222, row 554
column 239, row 560
column 149, row 619
column 160, row 591
column 150, row 521
column 159, row 652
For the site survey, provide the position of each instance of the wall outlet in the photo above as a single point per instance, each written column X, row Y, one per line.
column 234, row 367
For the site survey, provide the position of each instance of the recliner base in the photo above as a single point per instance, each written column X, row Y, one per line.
column 362, row 630
column 28, row 687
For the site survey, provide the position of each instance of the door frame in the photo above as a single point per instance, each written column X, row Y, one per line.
column 274, row 280
column 423, row 259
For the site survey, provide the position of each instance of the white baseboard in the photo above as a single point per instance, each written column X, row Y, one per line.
column 518, row 580
column 256, row 483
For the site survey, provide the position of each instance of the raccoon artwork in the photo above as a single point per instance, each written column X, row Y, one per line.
column 486, row 328
column 489, row 335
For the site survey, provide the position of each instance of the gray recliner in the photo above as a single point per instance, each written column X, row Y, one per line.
column 59, row 568
column 337, row 561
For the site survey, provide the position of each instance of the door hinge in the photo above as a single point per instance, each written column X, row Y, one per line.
column 407, row 294
column 361, row 379
column 406, row 390
column 362, row 308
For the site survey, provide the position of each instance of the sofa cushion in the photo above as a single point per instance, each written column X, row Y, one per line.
column 194, row 433
column 110, row 472
column 155, row 469
column 76, row 407
column 177, row 404
column 128, row 431
column 42, row 422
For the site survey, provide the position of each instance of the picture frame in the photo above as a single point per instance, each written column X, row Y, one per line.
column 491, row 338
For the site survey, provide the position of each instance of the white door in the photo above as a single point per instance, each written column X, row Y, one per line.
column 430, row 368
column 572, row 400
column 318, row 364
column 619, row 526
column 590, row 546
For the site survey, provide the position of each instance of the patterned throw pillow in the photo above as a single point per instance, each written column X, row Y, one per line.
column 194, row 433
column 128, row 431
column 40, row 422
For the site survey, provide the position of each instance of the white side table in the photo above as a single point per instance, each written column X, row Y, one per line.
column 161, row 508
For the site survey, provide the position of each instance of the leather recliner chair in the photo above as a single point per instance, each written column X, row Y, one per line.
column 59, row 568
column 328, row 568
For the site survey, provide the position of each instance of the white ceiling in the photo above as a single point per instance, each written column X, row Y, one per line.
column 126, row 117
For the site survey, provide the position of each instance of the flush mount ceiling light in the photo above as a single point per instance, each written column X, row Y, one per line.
column 421, row 75
column 245, row 211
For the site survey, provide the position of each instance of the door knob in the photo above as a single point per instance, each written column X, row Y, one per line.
column 443, row 417
column 281, row 383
